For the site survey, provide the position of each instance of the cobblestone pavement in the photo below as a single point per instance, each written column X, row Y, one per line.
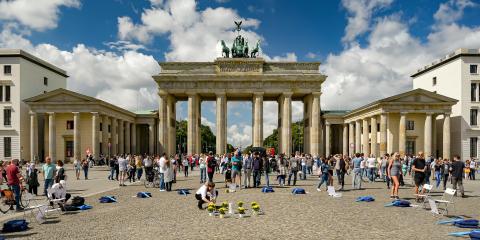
column 315, row 215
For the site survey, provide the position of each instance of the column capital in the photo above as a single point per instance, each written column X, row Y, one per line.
column 316, row 94
column 51, row 113
column 95, row 113
column 287, row 94
column 32, row 113
column 221, row 94
column 403, row 113
column 446, row 114
column 429, row 113
column 192, row 94
column 76, row 113
column 258, row 94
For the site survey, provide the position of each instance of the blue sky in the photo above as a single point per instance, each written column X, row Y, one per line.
column 368, row 48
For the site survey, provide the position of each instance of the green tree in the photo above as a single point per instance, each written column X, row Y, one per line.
column 207, row 137
column 297, row 138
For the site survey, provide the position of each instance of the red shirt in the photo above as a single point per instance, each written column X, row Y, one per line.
column 12, row 172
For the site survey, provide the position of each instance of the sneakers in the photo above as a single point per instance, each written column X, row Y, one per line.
column 162, row 190
column 319, row 190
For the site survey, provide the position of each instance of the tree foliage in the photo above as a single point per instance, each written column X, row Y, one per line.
column 297, row 138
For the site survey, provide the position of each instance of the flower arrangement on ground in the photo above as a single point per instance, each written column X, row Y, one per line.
column 253, row 204
column 256, row 209
column 240, row 203
column 222, row 212
column 225, row 205
column 211, row 208
column 241, row 211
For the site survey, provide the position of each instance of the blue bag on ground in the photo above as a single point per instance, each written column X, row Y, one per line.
column 365, row 199
column 399, row 203
column 467, row 223
column 107, row 199
column 298, row 191
column 144, row 195
column 183, row 191
column 267, row 190
column 84, row 207
column 15, row 226
column 474, row 235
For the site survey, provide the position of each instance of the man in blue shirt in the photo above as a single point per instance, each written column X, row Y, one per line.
column 357, row 177
column 48, row 170
column 236, row 168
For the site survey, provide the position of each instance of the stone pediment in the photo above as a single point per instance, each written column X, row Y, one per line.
column 60, row 95
column 418, row 96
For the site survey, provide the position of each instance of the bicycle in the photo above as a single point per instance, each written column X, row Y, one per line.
column 7, row 198
column 152, row 179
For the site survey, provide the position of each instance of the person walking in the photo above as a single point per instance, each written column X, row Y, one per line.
column 85, row 166
column 292, row 170
column 139, row 167
column 48, row 171
column 237, row 168
column 131, row 168
column 324, row 177
column 266, row 169
column 247, row 170
column 457, row 175
column 445, row 171
column 341, row 171
column 77, row 165
column 14, row 177
column 394, row 170
column 438, row 172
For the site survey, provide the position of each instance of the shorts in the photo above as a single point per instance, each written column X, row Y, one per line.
column 235, row 173
column 419, row 179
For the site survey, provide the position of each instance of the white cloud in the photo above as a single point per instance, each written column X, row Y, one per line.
column 452, row 10
column 38, row 15
column 311, row 55
column 360, row 12
column 239, row 135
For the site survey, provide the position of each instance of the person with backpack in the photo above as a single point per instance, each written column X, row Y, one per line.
column 292, row 170
column 247, row 170
column 211, row 165
column 324, row 177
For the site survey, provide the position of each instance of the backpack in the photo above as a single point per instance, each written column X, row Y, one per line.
column 365, row 199
column 144, row 195
column 107, row 199
column 15, row 226
column 70, row 208
column 84, row 207
column 467, row 223
column 183, row 192
column 267, row 190
column 293, row 165
column 296, row 191
column 78, row 201
column 211, row 162
column 474, row 235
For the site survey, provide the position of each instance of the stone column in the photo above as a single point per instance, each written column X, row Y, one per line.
column 151, row 141
column 287, row 123
column 345, row 139
column 198, row 133
column 105, row 122
column 162, row 123
column 128, row 138
column 121, row 137
column 316, row 125
column 192, row 124
column 365, row 138
column 257, row 115
column 351, row 139
column 33, row 136
column 95, row 135
column 307, row 122
column 77, row 151
column 402, row 134
column 358, row 133
column 134, row 138
column 221, row 136
column 171, row 125
column 428, row 135
column 446, row 136
column 383, row 134
column 52, row 144
column 114, row 136
column 280, row 124
column 373, row 136
column 327, row 139
column 434, row 136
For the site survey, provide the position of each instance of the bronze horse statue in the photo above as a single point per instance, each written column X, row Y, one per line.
column 256, row 50
column 225, row 50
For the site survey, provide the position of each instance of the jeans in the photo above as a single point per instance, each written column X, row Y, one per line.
column 310, row 169
column 372, row 174
column 357, row 178
column 438, row 177
column 445, row 179
column 247, row 177
column 427, row 177
column 267, row 179
column 294, row 174
column 185, row 171
column 304, row 172
column 16, row 192
column 324, row 179
column 384, row 173
column 112, row 172
column 168, row 185
column 210, row 176
column 281, row 180
column 47, row 185
column 256, row 178
column 341, row 178
column 203, row 175
column 162, row 181
column 85, row 172
column 139, row 173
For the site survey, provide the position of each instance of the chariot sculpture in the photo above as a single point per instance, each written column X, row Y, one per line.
column 239, row 47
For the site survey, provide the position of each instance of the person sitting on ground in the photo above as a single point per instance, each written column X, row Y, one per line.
column 59, row 191
column 206, row 194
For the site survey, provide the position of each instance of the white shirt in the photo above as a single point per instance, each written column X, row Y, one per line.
column 472, row 164
column 161, row 164
column 362, row 163
column 59, row 191
column 203, row 192
column 371, row 162
column 147, row 162
column 122, row 164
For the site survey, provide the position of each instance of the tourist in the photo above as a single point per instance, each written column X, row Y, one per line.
column 185, row 163
column 324, row 177
column 473, row 168
column 266, row 169
column 256, row 169
column 13, row 181
column 428, row 171
column 139, row 167
column 309, row 164
column 168, row 175
column 357, row 171
column 111, row 164
column 161, row 168
column 148, row 164
column 206, row 194
column 331, row 165
column 60, row 171
column 438, row 172
column 419, row 166
column 363, row 165
column 292, row 170
column 341, row 171
column 236, row 169
column 372, row 169
column 131, row 168
column 456, row 175
column 48, row 170
column 203, row 168
column 122, row 170
column 282, row 170
column 85, row 165
column 445, row 172
column 59, row 191
column 77, row 165
column 303, row 163
column 383, row 168
column 467, row 169
column 174, row 160
column 247, row 170
column 217, row 165
column 394, row 171
column 211, row 165
column 117, row 168
column 32, row 179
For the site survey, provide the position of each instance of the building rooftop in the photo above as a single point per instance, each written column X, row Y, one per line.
column 447, row 58
column 6, row 52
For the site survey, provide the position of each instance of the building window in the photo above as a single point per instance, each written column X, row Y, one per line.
column 410, row 147
column 45, row 81
column 68, row 148
column 7, row 117
column 473, row 117
column 7, row 70
column 410, row 125
column 70, row 125
column 473, row 147
column 434, row 81
column 7, row 93
column 473, row 92
column 473, row 69
column 7, row 147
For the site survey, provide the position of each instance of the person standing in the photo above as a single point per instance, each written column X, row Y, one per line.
column 282, row 170
column 247, row 170
column 203, row 168
column 309, row 164
column 168, row 177
column 372, row 169
column 324, row 168
column 438, row 172
column 473, row 168
column 111, row 164
column 161, row 168
column 122, row 170
column 342, row 170
column 419, row 166
column 48, row 170
column 32, row 179
column 237, row 168
column 85, row 166
column 357, row 171
column 257, row 169
column 185, row 163
column 60, row 173
column 303, row 163
column 266, row 168
column 394, row 170
column 139, row 166
column 13, row 180
column 445, row 172
column 77, row 165
column 211, row 165
column 457, row 175
column 292, row 170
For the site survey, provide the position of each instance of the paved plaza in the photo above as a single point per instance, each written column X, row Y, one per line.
column 315, row 215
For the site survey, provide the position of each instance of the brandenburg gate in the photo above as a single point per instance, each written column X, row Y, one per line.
column 243, row 76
